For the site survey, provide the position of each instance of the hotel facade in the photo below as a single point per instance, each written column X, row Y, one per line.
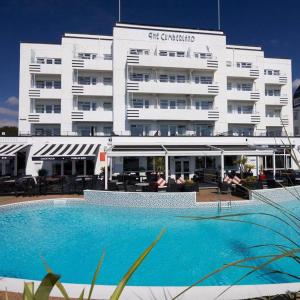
column 118, row 101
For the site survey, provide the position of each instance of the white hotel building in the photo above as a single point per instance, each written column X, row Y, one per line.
column 150, row 91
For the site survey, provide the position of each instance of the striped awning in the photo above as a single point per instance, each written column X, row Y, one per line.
column 66, row 151
column 9, row 150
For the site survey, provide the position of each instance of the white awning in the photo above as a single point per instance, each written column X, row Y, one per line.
column 9, row 150
column 66, row 151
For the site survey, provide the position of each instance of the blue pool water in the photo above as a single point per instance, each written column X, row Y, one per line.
column 72, row 237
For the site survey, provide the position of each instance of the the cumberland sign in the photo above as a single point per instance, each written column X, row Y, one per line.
column 169, row 36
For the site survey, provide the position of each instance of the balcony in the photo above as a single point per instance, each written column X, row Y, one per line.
column 172, row 114
column 92, row 64
column 277, row 100
column 45, row 118
column 45, row 93
column 275, row 79
column 253, row 118
column 242, row 72
column 45, row 68
column 277, row 121
column 156, row 61
column 92, row 116
column 186, row 88
column 243, row 95
column 92, row 90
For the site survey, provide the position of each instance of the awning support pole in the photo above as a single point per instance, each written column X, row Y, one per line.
column 166, row 167
column 3, row 167
column 84, row 167
column 73, row 167
column 61, row 168
column 222, row 166
column 106, row 173
column 274, row 166
column 110, row 169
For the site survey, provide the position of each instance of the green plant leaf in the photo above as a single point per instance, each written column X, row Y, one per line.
column 95, row 276
column 81, row 295
column 46, row 286
column 117, row 292
column 58, row 283
column 28, row 293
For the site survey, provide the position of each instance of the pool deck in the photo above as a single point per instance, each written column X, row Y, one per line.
column 204, row 195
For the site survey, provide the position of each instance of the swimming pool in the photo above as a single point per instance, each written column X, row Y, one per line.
column 71, row 237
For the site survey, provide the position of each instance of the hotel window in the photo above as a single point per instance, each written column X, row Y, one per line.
column 84, row 80
column 180, row 78
column 172, row 104
column 273, row 113
column 163, row 53
column 203, row 79
column 180, row 54
column 172, row 78
column 57, row 84
column 203, row 55
column 84, row 130
column 48, row 109
column 107, row 106
column 87, row 55
column 203, row 130
column 39, row 109
column 163, row 78
column 271, row 92
column 48, row 61
column 139, row 77
column 244, row 87
column 40, row 84
column 246, row 65
column 139, row 51
column 85, row 106
column 57, row 109
column 107, row 130
column 138, row 103
column 181, row 129
column 181, row 104
column 139, row 130
column 164, row 104
column 229, row 86
column 40, row 60
column 94, row 106
column 271, row 72
column 164, row 130
column 107, row 80
column 57, row 61
column 48, row 84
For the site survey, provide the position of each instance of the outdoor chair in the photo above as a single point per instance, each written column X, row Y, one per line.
column 112, row 186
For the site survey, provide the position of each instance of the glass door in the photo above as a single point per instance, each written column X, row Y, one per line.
column 182, row 168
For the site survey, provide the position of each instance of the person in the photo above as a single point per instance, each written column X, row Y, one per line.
column 262, row 176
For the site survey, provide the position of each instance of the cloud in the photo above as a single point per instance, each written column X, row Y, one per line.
column 13, row 101
column 6, row 122
column 8, row 112
column 295, row 84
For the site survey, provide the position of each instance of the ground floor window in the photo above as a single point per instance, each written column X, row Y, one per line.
column 131, row 164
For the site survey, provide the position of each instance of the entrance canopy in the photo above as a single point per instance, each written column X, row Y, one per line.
column 187, row 150
column 66, row 151
column 9, row 150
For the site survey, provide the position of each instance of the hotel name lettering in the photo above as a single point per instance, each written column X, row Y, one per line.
column 174, row 37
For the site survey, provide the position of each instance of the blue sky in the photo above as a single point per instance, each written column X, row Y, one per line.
column 274, row 25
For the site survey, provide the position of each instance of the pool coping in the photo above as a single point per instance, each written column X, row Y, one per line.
column 153, row 292
column 160, row 292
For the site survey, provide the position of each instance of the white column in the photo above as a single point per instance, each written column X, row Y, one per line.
column 110, row 169
column 166, row 167
column 274, row 166
column 222, row 166
column 73, row 167
column 61, row 168
column 15, row 165
column 106, row 172
column 84, row 167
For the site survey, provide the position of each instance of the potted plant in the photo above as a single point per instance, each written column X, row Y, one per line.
column 189, row 186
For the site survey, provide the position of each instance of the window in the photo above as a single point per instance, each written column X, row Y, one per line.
column 295, row 114
column 180, row 54
column 271, row 92
column 203, row 55
column 172, row 53
column 40, row 84
column 94, row 106
column 107, row 80
column 164, row 130
column 48, row 61
column 94, row 80
column 139, row 77
column 163, row 53
column 84, row 130
column 57, row 61
column 147, row 103
column 107, row 130
column 206, row 80
column 172, row 78
column 273, row 113
column 244, row 87
column 163, row 78
column 137, row 130
column 107, row 106
column 40, row 60
column 49, row 84
column 181, row 129
column 181, row 104
column 272, row 72
column 172, row 104
column 39, row 109
column 87, row 55
column 164, row 104
column 203, row 130
column 180, row 78
column 137, row 103
column 56, row 108
column 85, row 106
column 139, row 51
column 107, row 56
column 229, row 86
column 48, row 109
column 57, row 84
column 84, row 80
column 244, row 64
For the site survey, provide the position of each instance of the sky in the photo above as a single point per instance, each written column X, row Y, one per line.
column 273, row 25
